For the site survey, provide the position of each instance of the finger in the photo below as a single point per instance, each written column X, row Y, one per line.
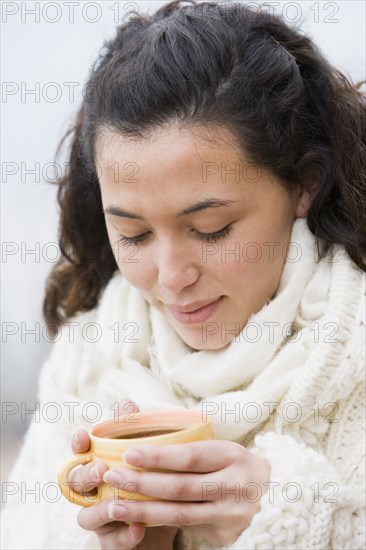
column 123, row 537
column 85, row 478
column 80, row 441
column 99, row 516
column 187, row 487
column 198, row 456
column 174, row 514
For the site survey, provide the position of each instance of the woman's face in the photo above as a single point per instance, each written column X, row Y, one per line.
column 204, row 233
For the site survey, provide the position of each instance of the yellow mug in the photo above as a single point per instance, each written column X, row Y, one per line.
column 111, row 438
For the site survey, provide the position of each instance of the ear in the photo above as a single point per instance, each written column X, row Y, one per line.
column 303, row 203
column 305, row 196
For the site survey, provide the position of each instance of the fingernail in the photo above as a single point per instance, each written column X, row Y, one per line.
column 132, row 457
column 111, row 476
column 75, row 439
column 116, row 511
column 134, row 529
column 94, row 473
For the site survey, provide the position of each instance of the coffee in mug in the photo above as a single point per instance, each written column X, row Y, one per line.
column 150, row 433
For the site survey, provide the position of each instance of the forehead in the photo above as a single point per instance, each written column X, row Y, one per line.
column 171, row 169
column 175, row 166
column 168, row 149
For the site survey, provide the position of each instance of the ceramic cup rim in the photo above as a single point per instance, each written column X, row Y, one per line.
column 192, row 418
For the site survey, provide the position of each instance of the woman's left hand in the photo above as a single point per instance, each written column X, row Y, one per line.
column 213, row 491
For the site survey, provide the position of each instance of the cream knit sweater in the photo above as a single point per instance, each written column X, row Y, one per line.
column 296, row 400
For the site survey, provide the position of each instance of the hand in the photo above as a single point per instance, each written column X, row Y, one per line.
column 112, row 533
column 213, row 491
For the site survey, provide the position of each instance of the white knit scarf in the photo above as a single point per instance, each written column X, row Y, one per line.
column 158, row 370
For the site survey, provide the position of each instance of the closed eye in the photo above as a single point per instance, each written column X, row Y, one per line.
column 208, row 237
column 213, row 237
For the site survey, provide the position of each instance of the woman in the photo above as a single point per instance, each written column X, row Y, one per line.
column 213, row 237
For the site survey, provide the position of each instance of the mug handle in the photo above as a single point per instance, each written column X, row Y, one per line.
column 63, row 476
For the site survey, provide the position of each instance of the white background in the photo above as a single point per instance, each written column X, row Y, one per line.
column 36, row 52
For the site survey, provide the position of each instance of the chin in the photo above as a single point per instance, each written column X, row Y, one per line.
column 200, row 346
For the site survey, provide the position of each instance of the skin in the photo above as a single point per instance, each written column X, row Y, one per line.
column 173, row 265
column 168, row 268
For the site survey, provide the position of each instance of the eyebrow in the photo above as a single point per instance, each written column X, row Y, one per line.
column 197, row 207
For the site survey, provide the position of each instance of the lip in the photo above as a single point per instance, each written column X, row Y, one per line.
column 195, row 314
column 190, row 308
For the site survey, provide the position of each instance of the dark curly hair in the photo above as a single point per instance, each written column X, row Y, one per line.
column 207, row 64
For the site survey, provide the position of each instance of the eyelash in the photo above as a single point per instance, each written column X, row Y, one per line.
column 208, row 237
column 213, row 237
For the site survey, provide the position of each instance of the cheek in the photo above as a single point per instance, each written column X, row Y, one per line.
column 245, row 258
column 126, row 256
column 135, row 266
column 252, row 259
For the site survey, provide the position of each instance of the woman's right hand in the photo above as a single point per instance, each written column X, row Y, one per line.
column 112, row 534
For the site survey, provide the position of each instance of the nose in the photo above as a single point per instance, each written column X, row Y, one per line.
column 176, row 267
